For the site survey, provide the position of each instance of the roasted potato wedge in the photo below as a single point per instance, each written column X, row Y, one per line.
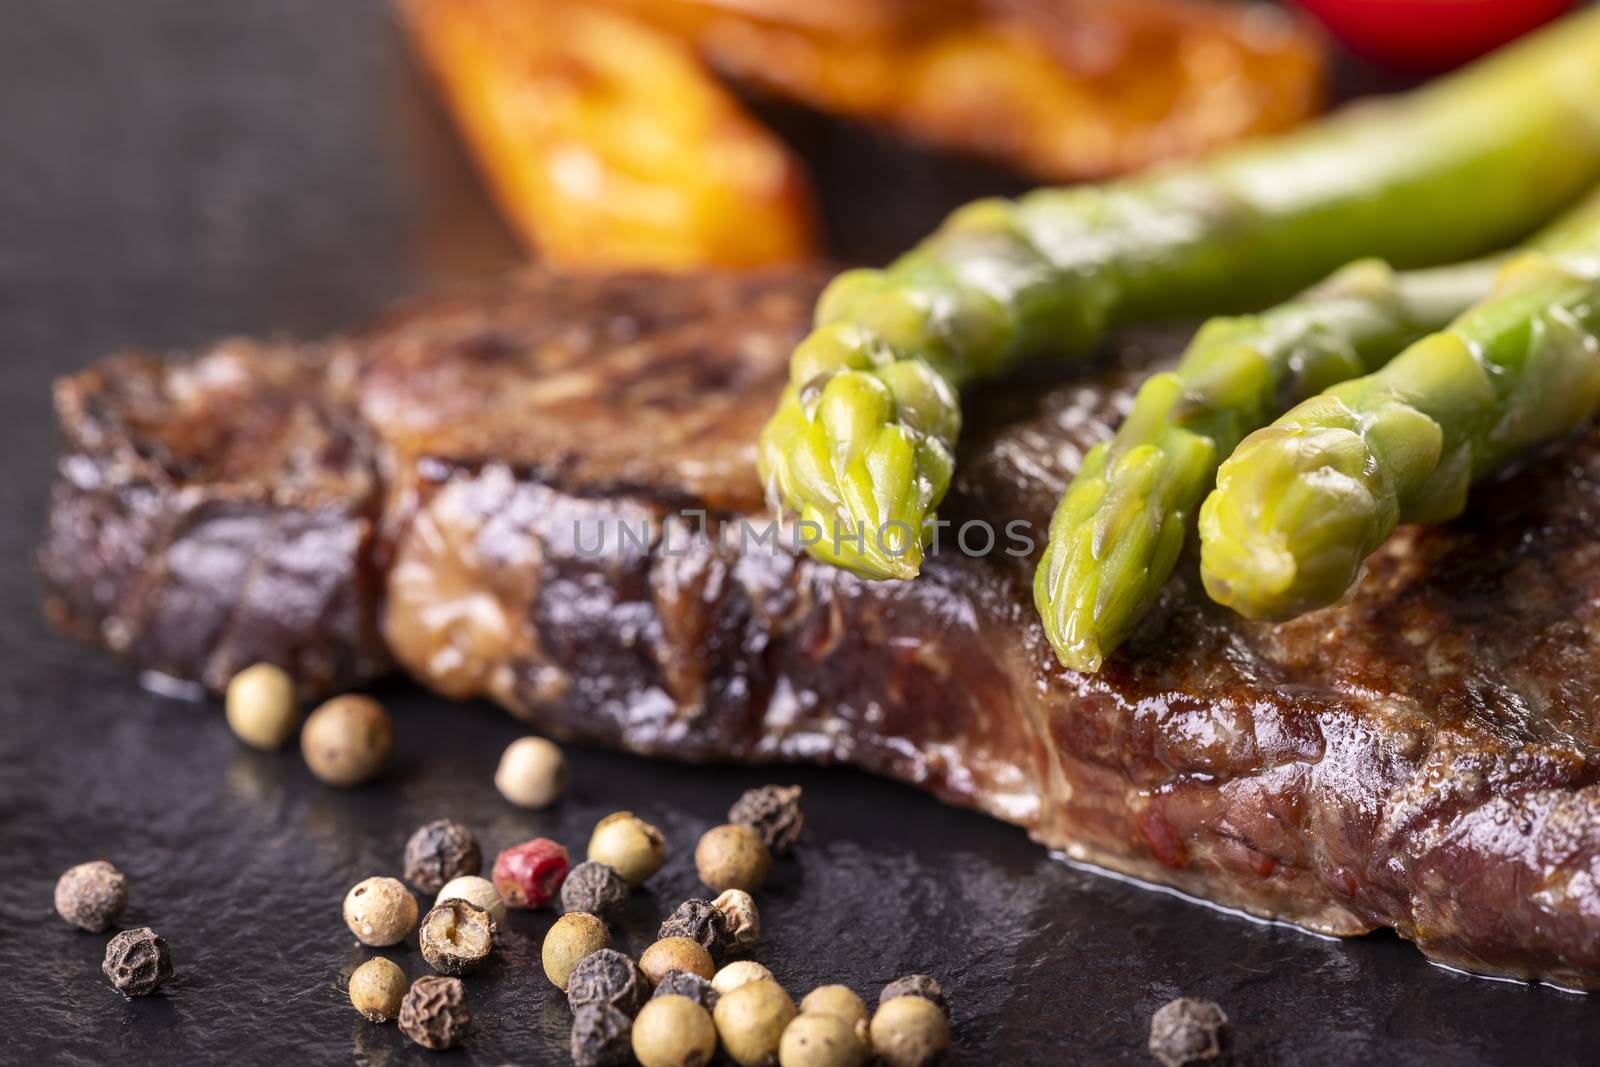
column 1060, row 89
column 606, row 143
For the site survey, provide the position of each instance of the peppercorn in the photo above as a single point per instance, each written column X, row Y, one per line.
column 676, row 954
column 574, row 936
column 737, row 974
column 602, row 1036
column 440, row 851
column 773, row 811
column 732, row 856
column 750, row 1022
column 91, row 895
column 474, row 890
column 673, row 1032
column 530, row 874
column 137, row 962
column 629, row 845
column 347, row 740
column 456, row 936
column 260, row 707
column 434, row 1013
column 684, row 984
column 740, row 918
column 380, row 912
column 836, row 1000
column 910, row 1031
column 608, row 977
column 1188, row 1032
column 532, row 773
column 914, row 985
column 376, row 989
column 700, row 922
column 821, row 1040
column 595, row 888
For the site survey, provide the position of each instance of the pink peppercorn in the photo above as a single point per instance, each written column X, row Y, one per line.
column 530, row 874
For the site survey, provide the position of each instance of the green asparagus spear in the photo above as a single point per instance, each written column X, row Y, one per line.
column 1301, row 504
column 1119, row 527
column 861, row 444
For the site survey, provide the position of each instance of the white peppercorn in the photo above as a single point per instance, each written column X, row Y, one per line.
column 629, row 845
column 740, row 918
column 91, row 895
column 910, row 1031
column 837, row 1000
column 673, row 1032
column 347, row 740
column 737, row 974
column 732, row 856
column 260, row 707
column 474, row 890
column 821, row 1041
column 380, row 912
column 376, row 989
column 750, row 1022
column 532, row 773
column 676, row 954
column 573, row 936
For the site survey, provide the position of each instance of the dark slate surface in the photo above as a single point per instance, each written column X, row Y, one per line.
column 171, row 171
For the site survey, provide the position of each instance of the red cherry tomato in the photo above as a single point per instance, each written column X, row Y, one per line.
column 1430, row 35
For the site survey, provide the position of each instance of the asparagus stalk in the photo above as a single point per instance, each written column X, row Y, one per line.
column 1301, row 504
column 862, row 441
column 1121, row 523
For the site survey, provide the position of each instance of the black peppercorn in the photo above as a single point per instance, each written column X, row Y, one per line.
column 1188, row 1033
column 594, row 888
column 701, row 922
column 684, row 984
column 137, row 962
column 456, row 936
column 440, row 851
column 602, row 1036
column 91, row 895
column 435, row 1014
column 914, row 985
column 608, row 977
column 773, row 811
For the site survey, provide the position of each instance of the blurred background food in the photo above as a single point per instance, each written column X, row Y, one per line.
column 619, row 134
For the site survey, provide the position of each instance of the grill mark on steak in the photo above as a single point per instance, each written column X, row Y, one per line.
column 1421, row 756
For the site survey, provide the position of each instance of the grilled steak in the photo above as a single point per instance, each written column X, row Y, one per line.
column 1418, row 757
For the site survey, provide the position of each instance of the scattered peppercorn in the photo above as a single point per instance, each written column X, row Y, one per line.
column 673, row 1031
column 91, row 895
column 474, row 890
column 260, row 707
column 574, row 936
column 732, row 856
column 773, row 811
column 914, row 985
column 700, row 922
column 740, row 918
column 676, row 954
column 434, row 1013
column 602, row 1036
column 629, row 845
column 1188, row 1032
column 595, row 888
column 836, row 1000
column 380, row 912
column 608, row 977
column 910, row 1031
column 739, row 973
column 532, row 773
column 684, row 984
column 529, row 875
column 137, row 962
column 440, row 851
column 456, row 936
column 821, row 1041
column 750, row 1021
column 376, row 989
column 347, row 740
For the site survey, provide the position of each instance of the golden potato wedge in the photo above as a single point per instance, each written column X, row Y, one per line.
column 1060, row 89
column 606, row 143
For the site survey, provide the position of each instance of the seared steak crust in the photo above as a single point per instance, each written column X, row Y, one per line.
column 1418, row 757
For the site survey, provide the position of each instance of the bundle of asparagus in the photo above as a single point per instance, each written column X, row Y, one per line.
column 862, row 441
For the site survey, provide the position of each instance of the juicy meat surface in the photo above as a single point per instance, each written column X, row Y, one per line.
column 1418, row 757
